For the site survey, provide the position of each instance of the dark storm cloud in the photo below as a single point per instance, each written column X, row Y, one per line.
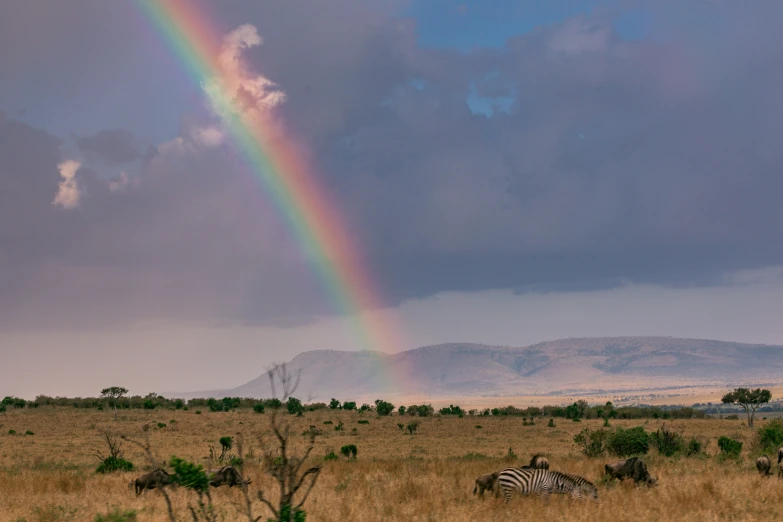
column 116, row 146
column 654, row 161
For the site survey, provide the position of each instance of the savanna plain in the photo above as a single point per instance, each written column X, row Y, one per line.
column 49, row 475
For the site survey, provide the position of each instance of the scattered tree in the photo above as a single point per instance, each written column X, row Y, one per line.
column 334, row 404
column 750, row 400
column 113, row 394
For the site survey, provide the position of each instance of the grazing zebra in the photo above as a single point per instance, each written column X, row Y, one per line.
column 539, row 462
column 763, row 464
column 542, row 482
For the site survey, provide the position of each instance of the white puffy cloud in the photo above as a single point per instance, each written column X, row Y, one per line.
column 68, row 192
column 237, row 90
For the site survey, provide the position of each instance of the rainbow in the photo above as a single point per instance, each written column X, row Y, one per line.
column 280, row 164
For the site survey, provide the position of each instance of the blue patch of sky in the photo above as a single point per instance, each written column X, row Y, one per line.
column 469, row 24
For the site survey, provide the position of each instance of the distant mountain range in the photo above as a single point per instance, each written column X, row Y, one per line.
column 592, row 365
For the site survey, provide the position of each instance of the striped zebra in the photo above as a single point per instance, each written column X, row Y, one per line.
column 543, row 482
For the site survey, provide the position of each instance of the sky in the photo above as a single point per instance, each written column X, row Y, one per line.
column 506, row 172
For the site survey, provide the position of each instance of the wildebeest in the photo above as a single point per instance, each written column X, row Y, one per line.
column 226, row 476
column 154, row 479
column 542, row 482
column 484, row 483
column 633, row 468
column 763, row 464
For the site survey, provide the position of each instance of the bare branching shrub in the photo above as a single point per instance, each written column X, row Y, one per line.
column 114, row 461
column 286, row 468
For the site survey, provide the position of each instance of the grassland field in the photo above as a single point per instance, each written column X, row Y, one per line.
column 429, row 476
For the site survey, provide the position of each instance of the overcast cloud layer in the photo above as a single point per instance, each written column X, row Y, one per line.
column 605, row 160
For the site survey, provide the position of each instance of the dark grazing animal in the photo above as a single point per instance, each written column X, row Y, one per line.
column 543, row 482
column 780, row 455
column 485, row 482
column 539, row 462
column 152, row 480
column 634, row 468
column 763, row 464
column 780, row 470
column 226, row 476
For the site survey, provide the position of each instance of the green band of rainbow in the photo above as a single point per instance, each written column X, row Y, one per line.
column 282, row 168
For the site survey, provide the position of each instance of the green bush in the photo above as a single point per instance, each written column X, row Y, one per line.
column 327, row 422
column 258, row 408
column 667, row 442
column 294, row 406
column 189, row 475
column 28, row 432
column 12, row 432
column 412, row 427
column 161, row 425
column 770, row 437
column 695, row 447
column 729, row 447
column 551, row 423
column 198, row 412
column 628, row 442
column 349, row 450
column 117, row 516
column 297, row 515
column 2, row 408
column 112, row 464
column 331, row 456
column 592, row 442
column 363, row 421
column 349, row 406
column 383, row 408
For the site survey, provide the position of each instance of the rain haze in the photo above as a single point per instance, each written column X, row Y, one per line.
column 497, row 172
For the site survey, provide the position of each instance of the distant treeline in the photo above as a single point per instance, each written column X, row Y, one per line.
column 578, row 410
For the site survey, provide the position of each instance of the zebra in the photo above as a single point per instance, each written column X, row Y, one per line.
column 542, row 482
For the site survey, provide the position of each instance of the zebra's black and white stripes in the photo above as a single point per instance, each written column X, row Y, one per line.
column 543, row 482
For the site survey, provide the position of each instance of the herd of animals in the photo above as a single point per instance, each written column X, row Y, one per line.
column 534, row 479
column 156, row 479
column 537, row 479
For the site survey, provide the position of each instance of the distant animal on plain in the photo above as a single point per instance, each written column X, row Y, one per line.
column 634, row 468
column 543, row 482
column 226, row 476
column 763, row 464
column 484, row 483
column 780, row 455
column 153, row 480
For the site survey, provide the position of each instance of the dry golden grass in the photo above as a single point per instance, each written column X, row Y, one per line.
column 50, row 475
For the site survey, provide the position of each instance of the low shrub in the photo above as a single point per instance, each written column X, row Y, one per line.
column 412, row 427
column 112, row 464
column 592, row 442
column 28, row 432
column 667, row 442
column 364, row 421
column 627, row 442
column 551, row 423
column 258, row 408
column 695, row 447
column 349, row 450
column 729, row 447
column 770, row 437
column 331, row 456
